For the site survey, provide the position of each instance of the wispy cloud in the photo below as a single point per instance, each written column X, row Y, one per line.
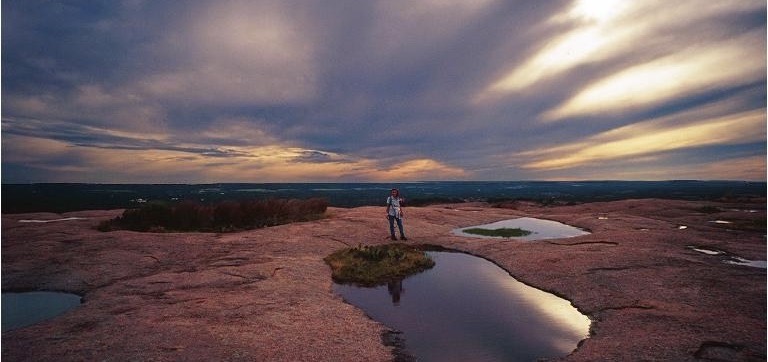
column 651, row 137
column 235, row 52
column 689, row 72
column 602, row 30
column 131, row 157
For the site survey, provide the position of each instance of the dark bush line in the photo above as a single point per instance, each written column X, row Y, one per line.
column 221, row 217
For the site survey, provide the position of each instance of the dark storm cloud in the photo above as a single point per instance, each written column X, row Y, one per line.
column 313, row 157
column 84, row 136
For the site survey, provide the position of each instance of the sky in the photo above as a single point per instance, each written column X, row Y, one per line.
column 134, row 91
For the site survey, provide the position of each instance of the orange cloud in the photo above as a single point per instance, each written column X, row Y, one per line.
column 650, row 137
column 418, row 169
column 273, row 163
column 25, row 149
column 742, row 168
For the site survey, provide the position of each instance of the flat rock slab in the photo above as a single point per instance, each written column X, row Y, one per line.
column 266, row 294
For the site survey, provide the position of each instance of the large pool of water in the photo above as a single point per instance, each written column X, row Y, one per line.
column 540, row 229
column 24, row 309
column 467, row 308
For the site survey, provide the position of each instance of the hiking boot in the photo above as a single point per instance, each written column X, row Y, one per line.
column 393, row 237
column 403, row 238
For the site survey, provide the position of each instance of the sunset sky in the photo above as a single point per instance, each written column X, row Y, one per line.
column 136, row 91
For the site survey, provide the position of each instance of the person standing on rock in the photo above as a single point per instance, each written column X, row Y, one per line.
column 395, row 213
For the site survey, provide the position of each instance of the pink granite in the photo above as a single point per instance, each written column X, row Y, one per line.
column 266, row 294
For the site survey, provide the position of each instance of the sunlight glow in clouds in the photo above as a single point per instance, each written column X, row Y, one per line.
column 651, row 137
column 130, row 155
column 596, row 32
column 599, row 11
column 686, row 73
column 651, row 168
column 606, row 29
column 237, row 52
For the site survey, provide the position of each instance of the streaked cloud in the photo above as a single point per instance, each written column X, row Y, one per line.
column 605, row 29
column 265, row 90
column 417, row 169
column 653, row 168
column 690, row 72
column 406, row 28
column 589, row 40
column 651, row 137
column 235, row 52
column 131, row 156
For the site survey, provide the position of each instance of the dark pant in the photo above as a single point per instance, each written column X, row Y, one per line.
column 392, row 225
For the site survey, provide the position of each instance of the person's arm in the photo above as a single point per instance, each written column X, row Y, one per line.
column 402, row 202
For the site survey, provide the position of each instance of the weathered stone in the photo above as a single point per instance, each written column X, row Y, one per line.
column 266, row 294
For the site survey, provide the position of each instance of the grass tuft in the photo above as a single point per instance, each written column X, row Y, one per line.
column 375, row 265
column 503, row 232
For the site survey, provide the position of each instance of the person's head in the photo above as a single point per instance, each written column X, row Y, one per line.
column 395, row 192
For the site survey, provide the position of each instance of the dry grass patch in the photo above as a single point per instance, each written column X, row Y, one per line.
column 376, row 265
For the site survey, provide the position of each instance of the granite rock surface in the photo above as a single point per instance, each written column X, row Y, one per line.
column 266, row 294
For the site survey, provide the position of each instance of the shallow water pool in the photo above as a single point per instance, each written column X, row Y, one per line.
column 730, row 258
column 468, row 308
column 540, row 229
column 24, row 309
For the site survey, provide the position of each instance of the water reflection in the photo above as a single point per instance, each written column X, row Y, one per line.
column 735, row 260
column 540, row 228
column 24, row 309
column 467, row 308
column 395, row 289
column 730, row 258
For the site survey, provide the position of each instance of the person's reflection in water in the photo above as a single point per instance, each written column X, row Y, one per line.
column 395, row 289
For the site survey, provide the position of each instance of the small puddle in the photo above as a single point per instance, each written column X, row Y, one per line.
column 467, row 308
column 24, row 309
column 706, row 251
column 53, row 220
column 730, row 258
column 540, row 229
column 735, row 260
